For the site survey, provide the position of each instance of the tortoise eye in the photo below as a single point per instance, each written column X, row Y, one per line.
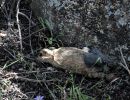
column 40, row 54
column 43, row 53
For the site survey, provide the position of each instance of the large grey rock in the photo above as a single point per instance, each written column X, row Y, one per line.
column 78, row 22
column 65, row 18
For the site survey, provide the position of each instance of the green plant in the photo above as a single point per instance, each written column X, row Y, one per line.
column 51, row 40
column 8, row 65
column 74, row 92
column 46, row 24
column 108, row 97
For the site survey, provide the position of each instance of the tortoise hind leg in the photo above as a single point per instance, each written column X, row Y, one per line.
column 101, row 75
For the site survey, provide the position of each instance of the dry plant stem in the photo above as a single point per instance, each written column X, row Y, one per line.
column 12, row 75
column 9, row 15
column 124, row 64
column 10, row 53
column 30, row 42
column 4, row 10
column 18, row 24
column 2, row 3
column 29, row 19
column 30, row 22
column 54, row 97
column 34, row 80
column 65, row 95
column 34, row 33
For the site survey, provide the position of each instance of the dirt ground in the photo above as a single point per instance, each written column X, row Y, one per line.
column 22, row 77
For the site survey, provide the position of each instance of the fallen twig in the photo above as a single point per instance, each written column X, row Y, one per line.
column 34, row 80
column 52, row 94
column 124, row 64
column 2, row 3
column 13, row 75
column 19, row 29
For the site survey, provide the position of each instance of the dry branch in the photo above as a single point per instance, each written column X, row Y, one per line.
column 124, row 64
column 19, row 29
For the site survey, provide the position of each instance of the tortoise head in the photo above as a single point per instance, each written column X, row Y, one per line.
column 46, row 55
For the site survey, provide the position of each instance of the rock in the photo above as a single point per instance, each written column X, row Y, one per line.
column 65, row 18
column 129, row 58
column 3, row 34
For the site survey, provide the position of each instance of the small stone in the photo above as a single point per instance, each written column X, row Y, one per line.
column 50, row 69
column 129, row 58
column 122, row 21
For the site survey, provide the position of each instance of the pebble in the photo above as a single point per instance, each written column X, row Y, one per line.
column 129, row 58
